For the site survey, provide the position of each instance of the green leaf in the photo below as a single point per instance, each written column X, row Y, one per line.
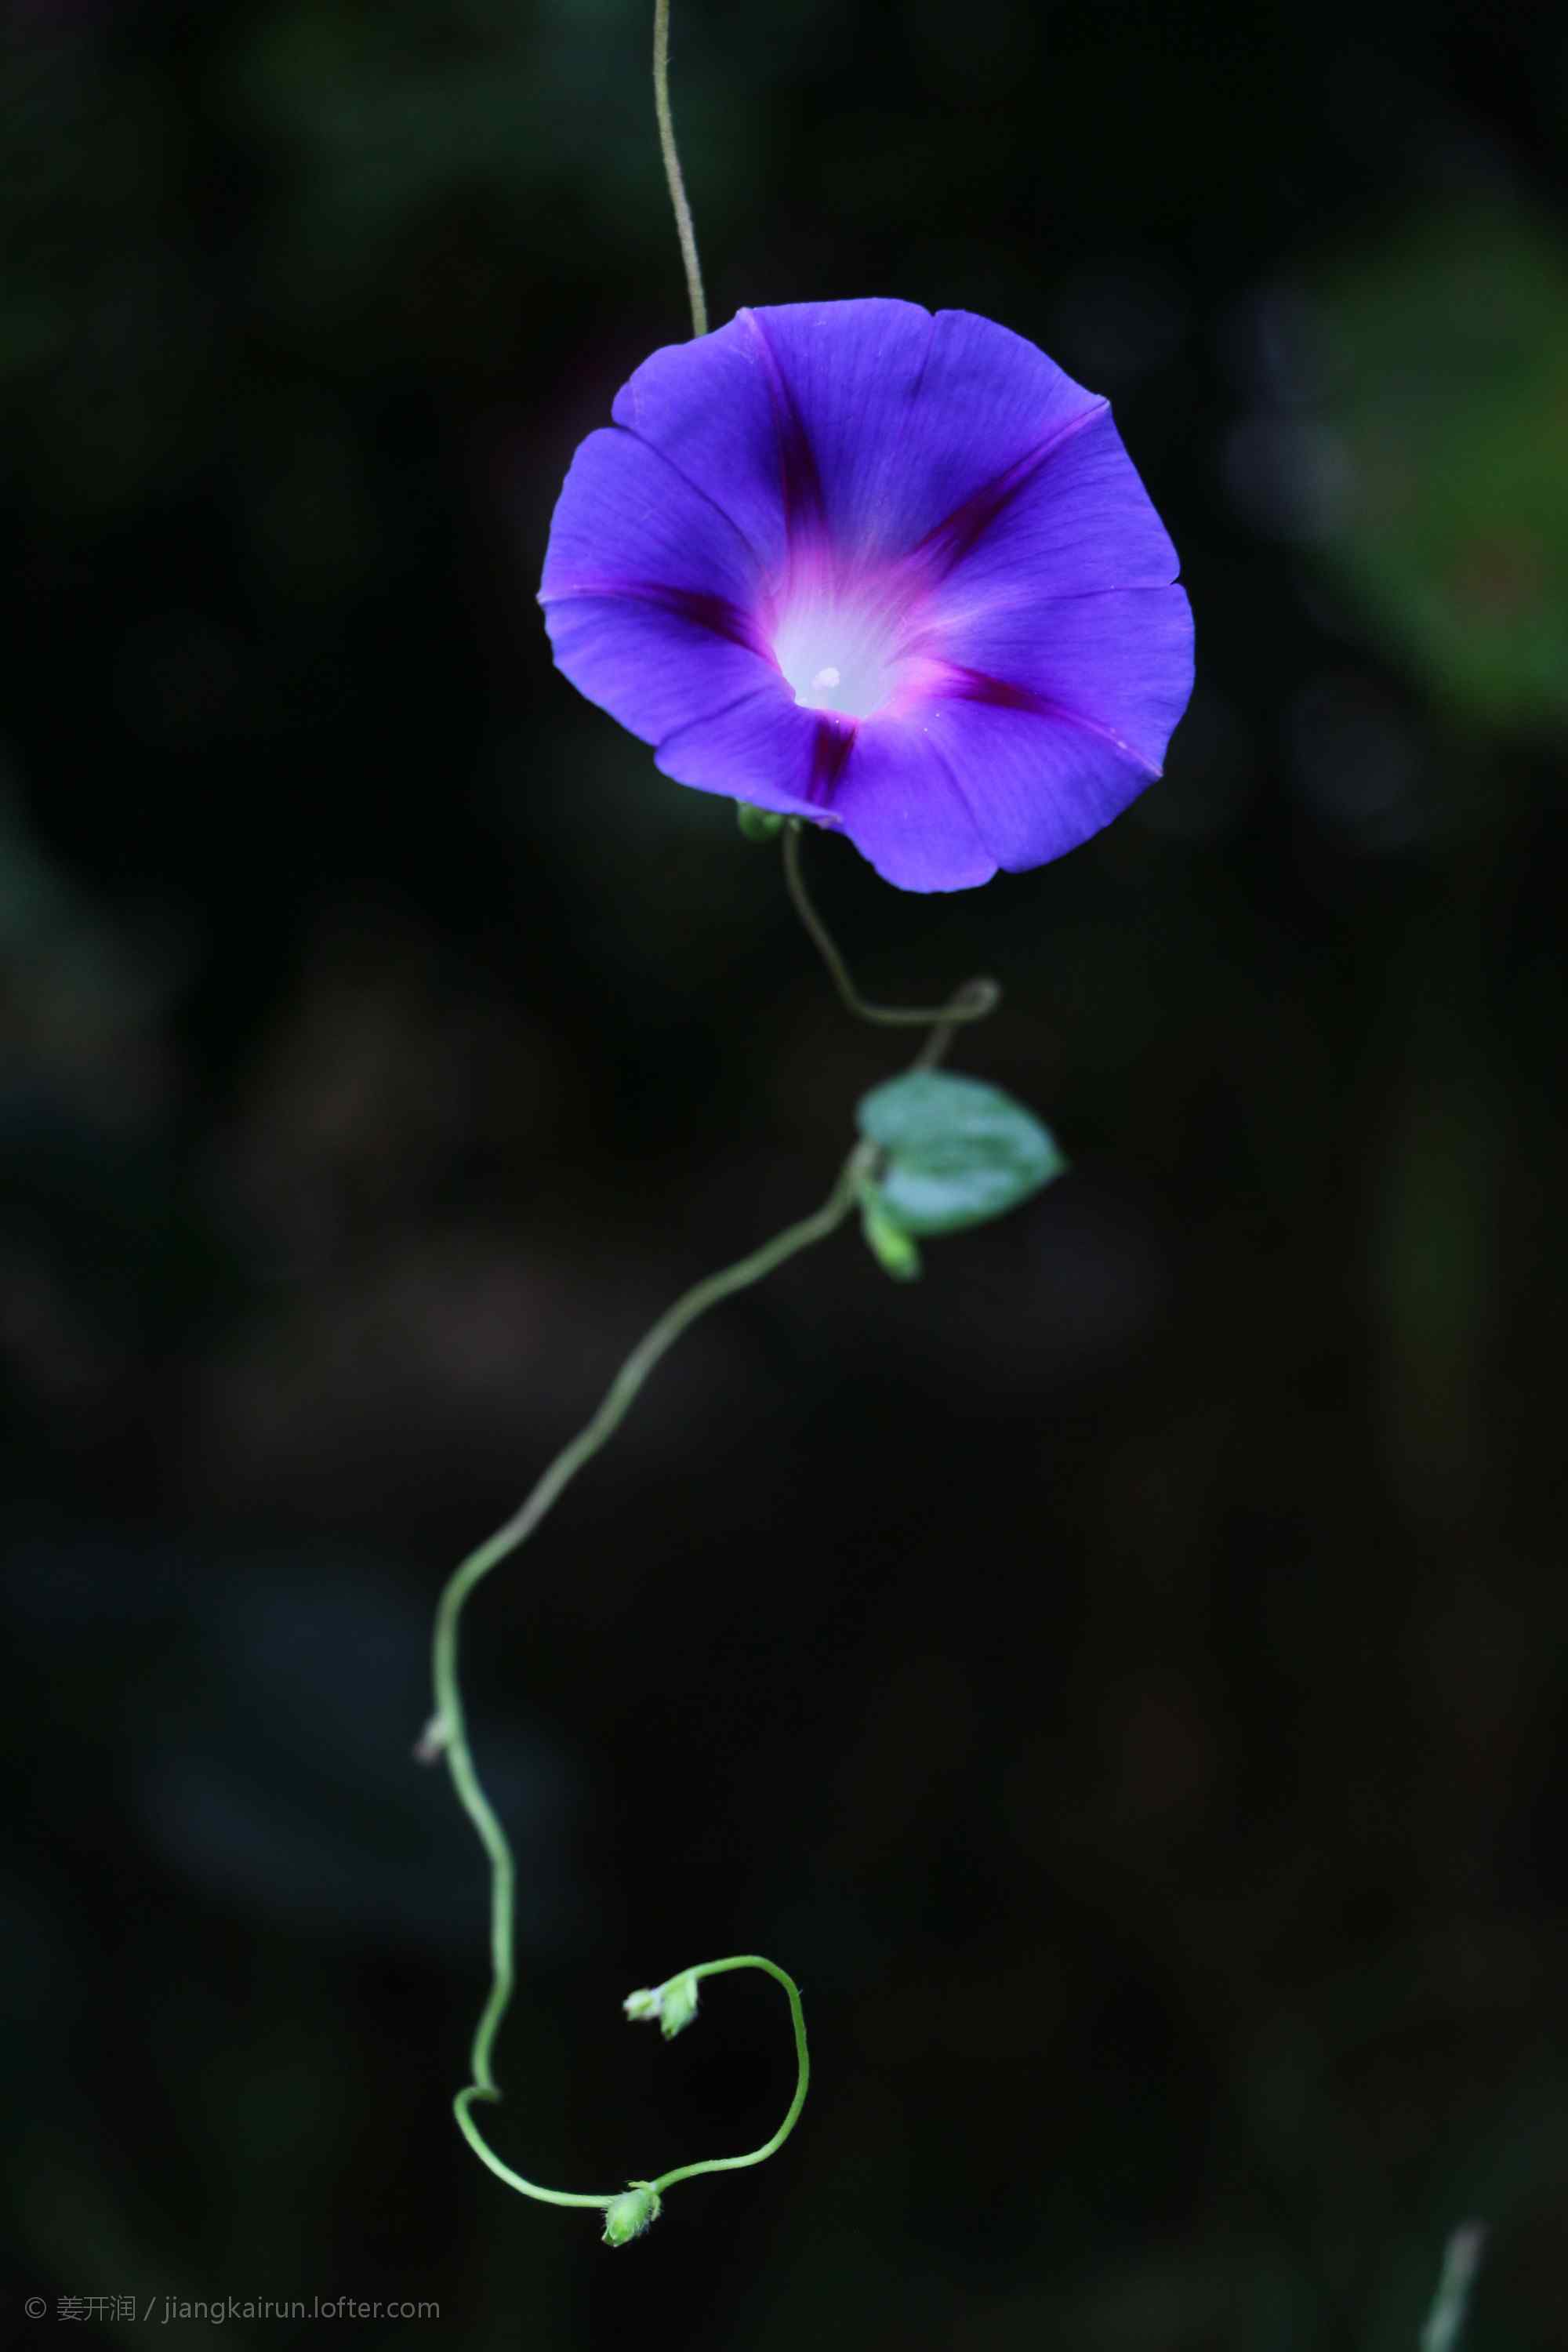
column 956, row 1152
column 1450, row 346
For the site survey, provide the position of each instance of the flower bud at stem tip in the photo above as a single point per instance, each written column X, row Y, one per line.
column 630, row 2213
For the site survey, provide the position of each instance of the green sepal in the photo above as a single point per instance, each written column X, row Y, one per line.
column 954, row 1153
column 677, row 2005
column 674, row 2004
column 629, row 2215
column 756, row 823
column 891, row 1247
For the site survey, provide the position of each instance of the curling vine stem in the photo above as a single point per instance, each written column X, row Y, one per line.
column 803, row 2077
column 972, row 1001
column 447, row 1733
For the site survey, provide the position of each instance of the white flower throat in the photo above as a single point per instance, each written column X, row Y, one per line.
column 837, row 658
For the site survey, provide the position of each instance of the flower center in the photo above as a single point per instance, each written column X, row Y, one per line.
column 837, row 658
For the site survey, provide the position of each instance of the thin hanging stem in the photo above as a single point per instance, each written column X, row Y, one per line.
column 972, row 1001
column 448, row 1732
column 1461, row 2261
column 671, row 153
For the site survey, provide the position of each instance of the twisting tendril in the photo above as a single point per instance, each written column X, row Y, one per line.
column 673, row 2002
column 972, row 1001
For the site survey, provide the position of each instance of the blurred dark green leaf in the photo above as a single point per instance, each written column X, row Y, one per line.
column 1447, row 350
column 959, row 1153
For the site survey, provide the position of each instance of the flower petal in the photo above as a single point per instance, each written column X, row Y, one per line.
column 905, row 806
column 709, row 409
column 1078, row 519
column 872, row 420
column 883, row 783
column 1038, row 787
column 764, row 747
column 1046, row 763
column 650, row 594
column 1119, row 664
column 625, row 511
column 910, row 416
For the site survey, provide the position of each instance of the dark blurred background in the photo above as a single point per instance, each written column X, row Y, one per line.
column 1122, row 1674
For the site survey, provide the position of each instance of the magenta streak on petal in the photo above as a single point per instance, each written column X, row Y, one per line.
column 697, row 605
column 978, row 686
column 799, row 481
column 952, row 539
column 831, row 745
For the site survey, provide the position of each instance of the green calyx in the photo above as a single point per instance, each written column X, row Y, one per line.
column 893, row 1249
column 674, row 2004
column 756, row 823
column 629, row 2214
column 678, row 2006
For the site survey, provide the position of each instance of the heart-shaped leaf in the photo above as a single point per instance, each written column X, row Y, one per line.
column 956, row 1152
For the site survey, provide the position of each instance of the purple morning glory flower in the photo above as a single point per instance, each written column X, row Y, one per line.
column 893, row 572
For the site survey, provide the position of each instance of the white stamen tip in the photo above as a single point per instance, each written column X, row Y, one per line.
column 829, row 677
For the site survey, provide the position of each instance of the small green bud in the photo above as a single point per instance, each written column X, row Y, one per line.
column 674, row 2004
column 889, row 1245
column 678, row 2005
column 630, row 2214
column 434, row 1741
column 758, row 824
